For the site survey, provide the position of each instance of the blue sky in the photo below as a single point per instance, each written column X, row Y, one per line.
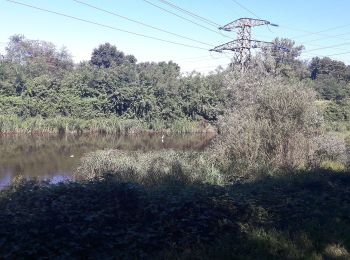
column 314, row 23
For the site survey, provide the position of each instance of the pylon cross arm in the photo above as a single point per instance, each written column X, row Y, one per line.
column 229, row 46
column 243, row 44
column 261, row 44
column 242, row 22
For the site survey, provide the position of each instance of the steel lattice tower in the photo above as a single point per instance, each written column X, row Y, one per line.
column 243, row 44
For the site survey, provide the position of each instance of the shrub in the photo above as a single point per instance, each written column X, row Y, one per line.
column 332, row 166
column 338, row 111
column 269, row 126
column 330, row 151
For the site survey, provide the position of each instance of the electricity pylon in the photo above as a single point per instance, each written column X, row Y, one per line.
column 243, row 44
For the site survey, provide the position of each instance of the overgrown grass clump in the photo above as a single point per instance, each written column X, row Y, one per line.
column 106, row 125
column 61, row 125
column 149, row 168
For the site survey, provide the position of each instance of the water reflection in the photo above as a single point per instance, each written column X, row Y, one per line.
column 55, row 157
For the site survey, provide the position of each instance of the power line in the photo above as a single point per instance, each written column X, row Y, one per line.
column 326, row 36
column 250, row 11
column 328, row 47
column 141, row 23
column 245, row 8
column 336, row 54
column 105, row 26
column 228, row 7
column 207, row 59
column 308, row 33
column 198, row 57
column 184, row 18
column 322, row 46
column 320, row 32
column 143, row 35
column 212, row 66
column 323, row 38
column 203, row 19
column 209, row 68
column 330, row 55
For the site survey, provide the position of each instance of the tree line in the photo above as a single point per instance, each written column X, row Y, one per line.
column 38, row 79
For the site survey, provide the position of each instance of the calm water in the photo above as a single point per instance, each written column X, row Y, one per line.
column 55, row 158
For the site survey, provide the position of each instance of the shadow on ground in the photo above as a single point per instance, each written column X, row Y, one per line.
column 302, row 216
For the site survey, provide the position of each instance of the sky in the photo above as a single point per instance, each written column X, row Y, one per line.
column 322, row 26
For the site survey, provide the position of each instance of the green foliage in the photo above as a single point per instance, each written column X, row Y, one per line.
column 282, row 59
column 38, row 57
column 301, row 216
column 338, row 111
column 107, row 55
column 10, row 124
column 12, row 78
column 332, row 166
column 37, row 81
column 330, row 88
column 331, row 78
column 329, row 67
column 136, row 230
column 148, row 168
column 168, row 204
column 270, row 126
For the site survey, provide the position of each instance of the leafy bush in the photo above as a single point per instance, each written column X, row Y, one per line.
column 269, row 126
column 277, row 218
column 338, row 111
column 330, row 88
column 330, row 150
column 109, row 219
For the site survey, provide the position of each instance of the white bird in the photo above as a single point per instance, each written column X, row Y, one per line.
column 162, row 138
column 72, row 155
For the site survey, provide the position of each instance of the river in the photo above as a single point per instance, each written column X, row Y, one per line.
column 55, row 157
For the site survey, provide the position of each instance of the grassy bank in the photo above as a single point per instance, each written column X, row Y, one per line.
column 113, row 125
column 146, row 167
column 171, row 216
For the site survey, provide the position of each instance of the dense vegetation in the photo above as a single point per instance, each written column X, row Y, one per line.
column 39, row 81
column 304, row 216
column 273, row 185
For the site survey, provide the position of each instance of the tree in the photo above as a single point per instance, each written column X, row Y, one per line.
column 131, row 59
column 327, row 66
column 12, row 78
column 38, row 57
column 282, row 58
column 269, row 126
column 152, row 73
column 330, row 88
column 107, row 55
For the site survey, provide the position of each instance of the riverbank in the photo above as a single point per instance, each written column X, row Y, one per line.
column 10, row 125
column 53, row 157
column 296, row 216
